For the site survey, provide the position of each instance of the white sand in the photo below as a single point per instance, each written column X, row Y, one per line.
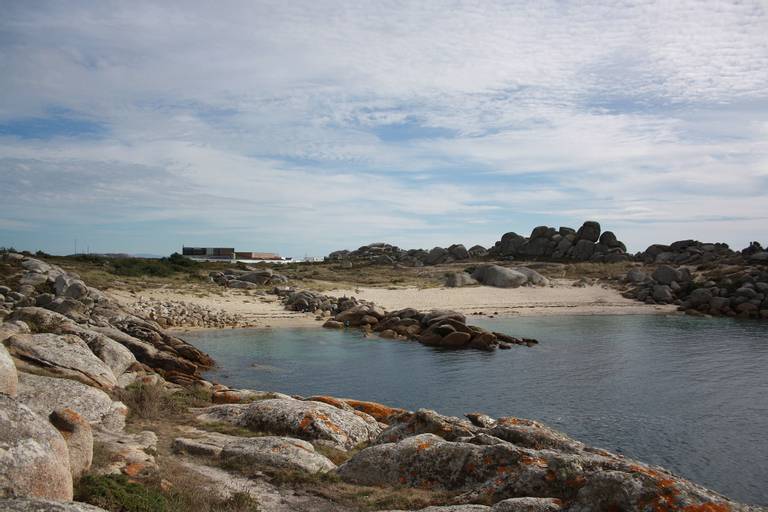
column 561, row 298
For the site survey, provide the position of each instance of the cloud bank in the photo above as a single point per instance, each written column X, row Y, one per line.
column 312, row 126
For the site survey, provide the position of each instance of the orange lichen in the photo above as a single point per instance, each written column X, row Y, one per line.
column 533, row 461
column 339, row 404
column 378, row 411
column 133, row 469
column 645, row 471
column 422, row 446
column 305, row 422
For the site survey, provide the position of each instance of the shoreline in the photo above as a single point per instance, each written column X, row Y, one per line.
column 267, row 311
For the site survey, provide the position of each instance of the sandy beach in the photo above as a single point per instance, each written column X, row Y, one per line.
column 560, row 298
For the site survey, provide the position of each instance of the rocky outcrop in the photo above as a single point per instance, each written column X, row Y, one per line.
column 721, row 291
column 440, row 328
column 308, row 420
column 34, row 460
column 63, row 356
column 587, row 243
column 482, row 466
column 284, row 453
column 169, row 313
column 46, row 394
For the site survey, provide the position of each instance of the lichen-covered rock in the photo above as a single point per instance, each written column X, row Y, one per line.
column 313, row 421
column 40, row 505
column 8, row 378
column 77, row 432
column 46, row 394
column 64, row 356
column 129, row 454
column 379, row 412
column 275, row 452
column 587, row 479
column 34, row 460
column 425, row 421
column 114, row 355
column 532, row 434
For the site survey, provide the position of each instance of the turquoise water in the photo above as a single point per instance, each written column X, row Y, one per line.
column 690, row 394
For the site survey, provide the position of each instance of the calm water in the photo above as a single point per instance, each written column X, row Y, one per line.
column 686, row 393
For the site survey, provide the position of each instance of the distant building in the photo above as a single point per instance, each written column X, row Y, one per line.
column 209, row 253
column 257, row 256
column 229, row 254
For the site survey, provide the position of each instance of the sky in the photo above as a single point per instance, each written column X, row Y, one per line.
column 305, row 127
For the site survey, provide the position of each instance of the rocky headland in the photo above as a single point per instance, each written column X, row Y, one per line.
column 75, row 366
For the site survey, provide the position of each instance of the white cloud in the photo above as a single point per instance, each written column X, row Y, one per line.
column 272, row 115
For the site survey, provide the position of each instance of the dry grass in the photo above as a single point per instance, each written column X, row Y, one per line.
column 153, row 401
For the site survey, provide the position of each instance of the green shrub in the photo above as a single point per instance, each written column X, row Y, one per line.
column 117, row 494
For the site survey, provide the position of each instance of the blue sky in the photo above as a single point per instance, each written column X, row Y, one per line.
column 313, row 126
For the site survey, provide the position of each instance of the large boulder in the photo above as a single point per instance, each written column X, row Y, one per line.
column 458, row 252
column 112, row 353
column 458, row 279
column 665, row 274
column 63, row 356
column 532, row 277
column 284, row 453
column 478, row 251
column 276, row 452
column 8, row 378
column 79, row 438
column 34, row 459
column 314, row 421
column 46, row 394
column 583, row 250
column 500, row 277
column 435, row 256
column 590, row 230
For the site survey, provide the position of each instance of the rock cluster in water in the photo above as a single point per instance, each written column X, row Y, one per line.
column 730, row 290
column 438, row 328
